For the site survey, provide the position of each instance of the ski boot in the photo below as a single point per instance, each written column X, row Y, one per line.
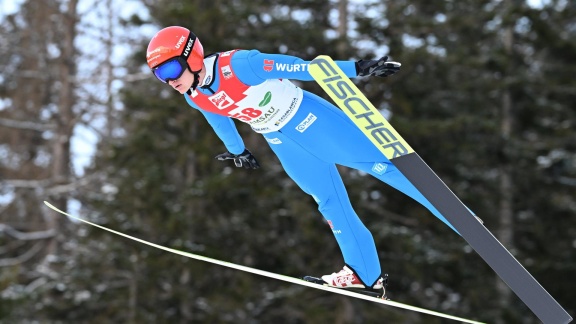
column 347, row 279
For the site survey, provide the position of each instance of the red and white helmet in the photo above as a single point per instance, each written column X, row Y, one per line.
column 172, row 42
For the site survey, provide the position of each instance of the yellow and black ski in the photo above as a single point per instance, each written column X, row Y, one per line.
column 359, row 109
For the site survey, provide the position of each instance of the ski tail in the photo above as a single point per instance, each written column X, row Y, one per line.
column 359, row 109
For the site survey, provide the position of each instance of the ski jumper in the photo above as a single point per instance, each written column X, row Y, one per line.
column 309, row 135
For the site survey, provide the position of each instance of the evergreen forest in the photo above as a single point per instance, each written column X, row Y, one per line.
column 486, row 96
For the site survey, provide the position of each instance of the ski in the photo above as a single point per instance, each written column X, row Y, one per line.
column 271, row 274
column 361, row 111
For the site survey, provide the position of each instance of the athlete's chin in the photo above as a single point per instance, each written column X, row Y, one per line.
column 180, row 88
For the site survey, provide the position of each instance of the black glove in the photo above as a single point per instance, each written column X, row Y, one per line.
column 380, row 68
column 244, row 159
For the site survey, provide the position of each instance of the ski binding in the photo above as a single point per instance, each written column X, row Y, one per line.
column 377, row 293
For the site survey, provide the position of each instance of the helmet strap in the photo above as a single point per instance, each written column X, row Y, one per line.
column 195, row 83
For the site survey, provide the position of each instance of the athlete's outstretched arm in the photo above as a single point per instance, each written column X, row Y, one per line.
column 253, row 67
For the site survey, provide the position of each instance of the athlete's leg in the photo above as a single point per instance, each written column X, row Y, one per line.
column 334, row 138
column 389, row 174
column 322, row 181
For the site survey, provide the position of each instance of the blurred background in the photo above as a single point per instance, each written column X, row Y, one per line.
column 486, row 96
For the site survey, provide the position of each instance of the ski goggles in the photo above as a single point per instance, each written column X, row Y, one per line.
column 171, row 69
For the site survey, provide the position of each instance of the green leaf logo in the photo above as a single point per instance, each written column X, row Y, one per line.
column 266, row 100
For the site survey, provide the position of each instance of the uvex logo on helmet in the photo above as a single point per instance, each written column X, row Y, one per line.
column 188, row 47
column 180, row 41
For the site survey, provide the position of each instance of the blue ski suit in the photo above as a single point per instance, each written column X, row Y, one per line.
column 309, row 135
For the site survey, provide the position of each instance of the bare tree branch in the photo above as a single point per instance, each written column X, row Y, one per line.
column 135, row 77
column 16, row 183
column 567, row 181
column 23, row 257
column 65, row 188
column 11, row 246
column 45, row 184
column 39, row 235
column 39, row 127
